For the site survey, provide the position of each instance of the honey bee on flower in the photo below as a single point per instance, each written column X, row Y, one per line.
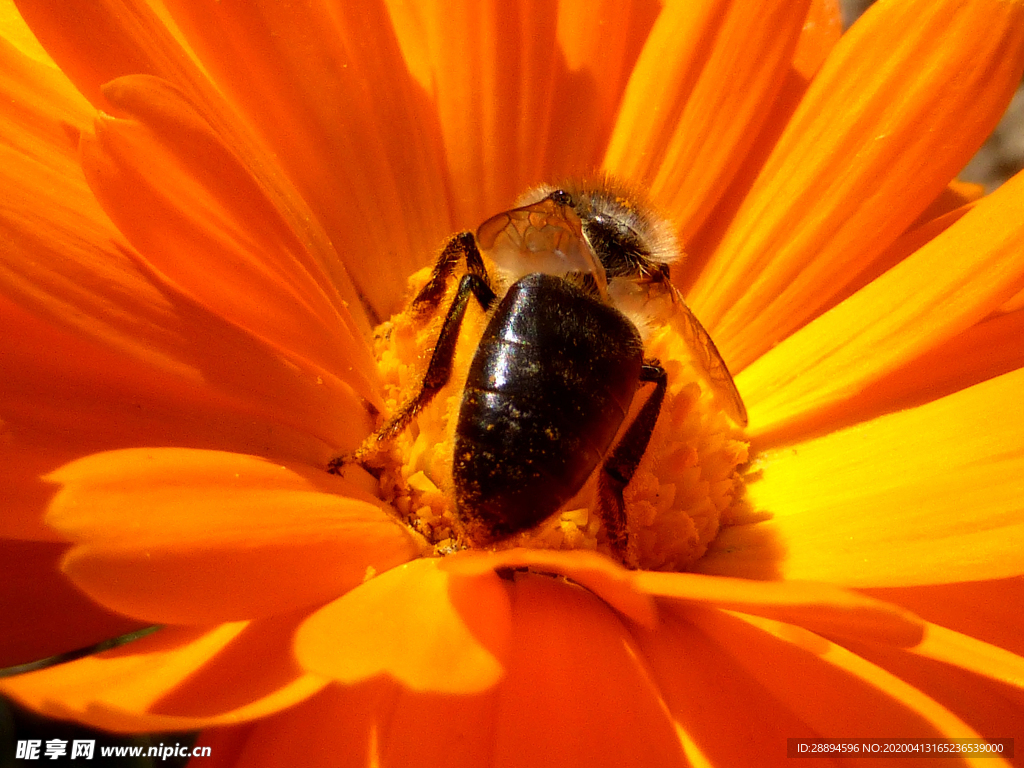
column 577, row 288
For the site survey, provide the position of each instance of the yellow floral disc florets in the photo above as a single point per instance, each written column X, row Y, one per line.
column 687, row 486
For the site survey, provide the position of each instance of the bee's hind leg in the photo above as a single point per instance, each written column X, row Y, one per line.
column 439, row 369
column 620, row 467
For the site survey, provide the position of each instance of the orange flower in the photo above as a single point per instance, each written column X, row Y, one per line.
column 208, row 206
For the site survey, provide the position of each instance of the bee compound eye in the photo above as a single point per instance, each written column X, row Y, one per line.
column 562, row 197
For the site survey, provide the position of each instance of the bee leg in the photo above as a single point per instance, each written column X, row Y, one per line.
column 621, row 465
column 439, row 369
column 461, row 245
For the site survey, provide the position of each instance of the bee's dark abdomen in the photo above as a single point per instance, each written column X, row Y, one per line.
column 548, row 388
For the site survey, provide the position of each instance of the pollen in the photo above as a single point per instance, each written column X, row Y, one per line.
column 689, row 484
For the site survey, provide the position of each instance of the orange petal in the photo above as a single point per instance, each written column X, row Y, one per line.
column 974, row 608
column 94, row 42
column 725, row 715
column 99, row 352
column 903, row 246
column 312, row 79
column 577, row 692
column 945, row 287
column 851, row 696
column 956, row 195
column 423, row 627
column 979, row 684
column 968, row 653
column 182, row 198
column 97, row 42
column 44, row 615
column 917, row 497
column 600, row 43
column 510, row 99
column 337, row 727
column 174, row 679
column 714, row 70
column 821, row 32
column 66, row 396
column 598, row 573
column 185, row 536
column 893, row 114
column 377, row 723
column 1013, row 304
column 819, row 607
column 225, row 744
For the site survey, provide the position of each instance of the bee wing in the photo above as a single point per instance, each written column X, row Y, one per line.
column 543, row 237
column 710, row 361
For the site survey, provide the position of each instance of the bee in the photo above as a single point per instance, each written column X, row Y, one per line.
column 581, row 278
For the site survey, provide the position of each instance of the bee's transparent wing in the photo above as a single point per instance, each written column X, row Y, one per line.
column 710, row 361
column 543, row 237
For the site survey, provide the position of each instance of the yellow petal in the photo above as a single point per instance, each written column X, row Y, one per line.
column 174, row 679
column 425, row 628
column 15, row 31
column 984, row 351
column 893, row 114
column 929, row 495
column 949, row 284
column 185, row 536
column 714, row 69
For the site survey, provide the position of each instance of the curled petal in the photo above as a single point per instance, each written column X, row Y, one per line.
column 186, row 536
column 417, row 624
column 97, row 42
column 602, row 576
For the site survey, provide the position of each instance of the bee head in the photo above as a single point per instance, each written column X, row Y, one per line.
column 628, row 239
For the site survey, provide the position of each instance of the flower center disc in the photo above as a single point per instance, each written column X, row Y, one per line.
column 688, row 485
